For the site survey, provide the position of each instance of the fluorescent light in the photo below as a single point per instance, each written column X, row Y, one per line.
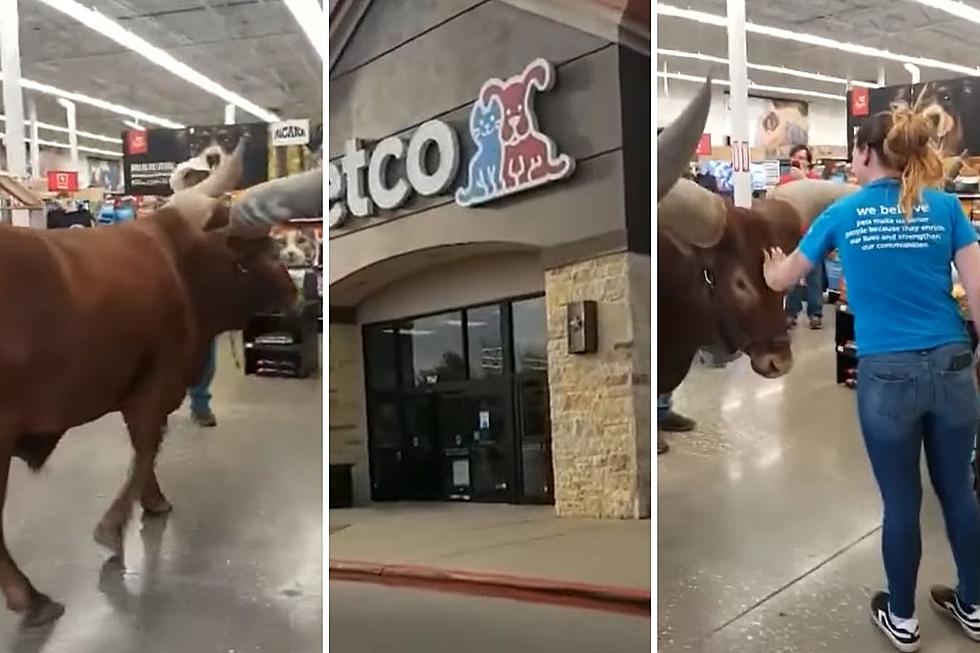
column 779, row 70
column 811, row 39
column 134, row 125
column 66, row 146
column 64, row 130
column 958, row 9
column 309, row 15
column 81, row 98
column 113, row 30
column 755, row 87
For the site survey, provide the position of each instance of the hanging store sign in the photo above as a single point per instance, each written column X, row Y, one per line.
column 704, row 145
column 152, row 156
column 860, row 101
column 61, row 180
column 289, row 132
column 510, row 154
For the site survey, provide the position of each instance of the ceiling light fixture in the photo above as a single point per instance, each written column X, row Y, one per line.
column 309, row 15
column 66, row 146
column 958, row 9
column 134, row 125
column 780, row 70
column 755, row 87
column 64, row 130
column 810, row 39
column 81, row 98
column 113, row 30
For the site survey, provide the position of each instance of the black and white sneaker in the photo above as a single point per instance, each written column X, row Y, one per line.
column 947, row 601
column 903, row 633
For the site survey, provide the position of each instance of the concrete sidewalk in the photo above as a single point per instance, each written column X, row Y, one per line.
column 497, row 541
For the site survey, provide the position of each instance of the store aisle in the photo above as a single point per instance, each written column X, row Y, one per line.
column 236, row 567
column 769, row 516
column 423, row 621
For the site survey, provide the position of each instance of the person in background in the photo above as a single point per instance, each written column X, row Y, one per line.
column 811, row 289
column 669, row 421
column 200, row 394
column 188, row 174
column 916, row 387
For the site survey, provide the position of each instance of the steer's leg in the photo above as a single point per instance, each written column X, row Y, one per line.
column 145, row 433
column 152, row 499
column 21, row 596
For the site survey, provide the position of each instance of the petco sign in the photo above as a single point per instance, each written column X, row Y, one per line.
column 512, row 154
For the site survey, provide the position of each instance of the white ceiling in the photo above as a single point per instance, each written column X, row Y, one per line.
column 900, row 26
column 252, row 47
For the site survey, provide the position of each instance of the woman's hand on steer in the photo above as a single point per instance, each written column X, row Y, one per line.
column 771, row 259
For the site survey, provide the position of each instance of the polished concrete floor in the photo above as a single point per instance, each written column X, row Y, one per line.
column 367, row 618
column 769, row 518
column 236, row 568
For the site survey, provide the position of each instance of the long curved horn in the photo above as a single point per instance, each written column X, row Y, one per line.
column 226, row 176
column 810, row 197
column 677, row 142
column 278, row 200
column 691, row 216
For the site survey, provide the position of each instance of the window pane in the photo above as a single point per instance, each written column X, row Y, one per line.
column 485, row 341
column 432, row 349
column 379, row 347
column 530, row 335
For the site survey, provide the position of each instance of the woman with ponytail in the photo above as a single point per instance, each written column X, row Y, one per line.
column 897, row 237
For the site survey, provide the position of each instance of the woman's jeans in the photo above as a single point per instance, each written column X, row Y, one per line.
column 200, row 394
column 812, row 292
column 905, row 401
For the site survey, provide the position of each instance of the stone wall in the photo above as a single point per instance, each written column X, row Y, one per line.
column 600, row 403
column 348, row 428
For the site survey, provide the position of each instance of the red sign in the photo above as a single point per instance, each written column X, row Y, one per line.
column 136, row 142
column 704, row 145
column 860, row 102
column 62, row 180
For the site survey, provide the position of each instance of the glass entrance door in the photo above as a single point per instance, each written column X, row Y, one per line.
column 477, row 438
column 421, row 457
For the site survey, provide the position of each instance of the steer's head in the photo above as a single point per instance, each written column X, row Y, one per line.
column 727, row 242
column 228, row 256
column 748, row 315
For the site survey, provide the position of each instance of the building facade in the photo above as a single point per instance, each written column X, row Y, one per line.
column 489, row 259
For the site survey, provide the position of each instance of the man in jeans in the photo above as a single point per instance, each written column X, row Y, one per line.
column 200, row 394
column 811, row 288
column 669, row 421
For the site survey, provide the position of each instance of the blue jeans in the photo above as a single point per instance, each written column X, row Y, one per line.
column 905, row 401
column 812, row 292
column 664, row 404
column 200, row 394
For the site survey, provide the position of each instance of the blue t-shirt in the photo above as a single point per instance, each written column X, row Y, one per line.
column 898, row 272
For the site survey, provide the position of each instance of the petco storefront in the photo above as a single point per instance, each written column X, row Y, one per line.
column 489, row 272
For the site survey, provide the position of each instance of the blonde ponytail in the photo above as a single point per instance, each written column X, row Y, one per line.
column 909, row 147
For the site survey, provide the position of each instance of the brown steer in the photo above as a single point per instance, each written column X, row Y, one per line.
column 119, row 318
column 710, row 289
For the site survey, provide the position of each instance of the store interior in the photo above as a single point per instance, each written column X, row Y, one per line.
column 769, row 518
column 237, row 565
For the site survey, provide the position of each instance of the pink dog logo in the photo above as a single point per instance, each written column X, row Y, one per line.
column 512, row 155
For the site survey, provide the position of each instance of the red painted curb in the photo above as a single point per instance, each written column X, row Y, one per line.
column 604, row 597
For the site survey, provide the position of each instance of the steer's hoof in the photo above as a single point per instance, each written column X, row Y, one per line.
column 42, row 612
column 156, row 506
column 110, row 537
